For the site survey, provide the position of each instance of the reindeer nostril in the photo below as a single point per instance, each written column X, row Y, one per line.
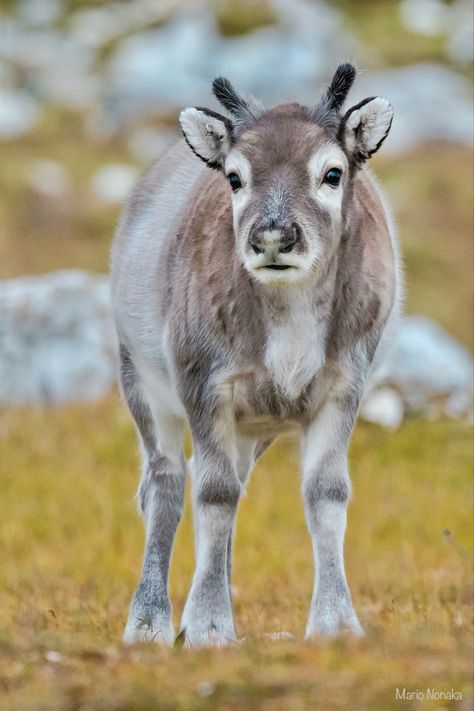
column 291, row 239
column 296, row 229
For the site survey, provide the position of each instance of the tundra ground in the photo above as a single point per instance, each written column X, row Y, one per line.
column 71, row 542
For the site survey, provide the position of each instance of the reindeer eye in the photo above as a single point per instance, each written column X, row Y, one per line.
column 234, row 181
column 333, row 177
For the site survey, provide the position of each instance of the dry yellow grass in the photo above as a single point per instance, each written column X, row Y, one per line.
column 72, row 541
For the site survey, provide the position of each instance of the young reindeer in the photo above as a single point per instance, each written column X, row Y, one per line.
column 249, row 300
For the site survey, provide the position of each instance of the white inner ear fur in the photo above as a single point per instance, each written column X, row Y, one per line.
column 373, row 121
column 207, row 135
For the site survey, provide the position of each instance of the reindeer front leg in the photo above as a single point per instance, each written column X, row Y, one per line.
column 326, row 492
column 207, row 617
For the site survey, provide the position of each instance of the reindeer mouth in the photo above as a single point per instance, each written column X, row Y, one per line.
column 276, row 266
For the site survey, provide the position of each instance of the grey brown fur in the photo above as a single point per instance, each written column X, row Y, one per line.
column 246, row 315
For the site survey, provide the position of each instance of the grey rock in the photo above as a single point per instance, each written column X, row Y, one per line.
column 58, row 68
column 383, row 406
column 96, row 26
column 57, row 341
column 460, row 45
column 19, row 112
column 39, row 13
column 112, row 182
column 49, row 178
column 173, row 66
column 426, row 17
column 146, row 143
column 430, row 370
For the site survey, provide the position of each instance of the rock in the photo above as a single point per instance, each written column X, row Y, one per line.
column 7, row 75
column 18, row 112
column 453, row 21
column 173, row 65
column 460, row 46
column 38, row 13
column 146, row 143
column 113, row 182
column 53, row 656
column 426, row 17
column 205, row 689
column 431, row 370
column 49, row 178
column 96, row 26
column 58, row 68
column 383, row 406
column 57, row 340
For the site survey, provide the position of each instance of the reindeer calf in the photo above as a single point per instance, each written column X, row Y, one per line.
column 250, row 299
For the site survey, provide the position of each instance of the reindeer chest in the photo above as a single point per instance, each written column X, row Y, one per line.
column 294, row 354
column 287, row 385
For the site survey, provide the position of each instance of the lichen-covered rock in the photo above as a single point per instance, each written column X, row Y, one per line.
column 172, row 65
column 428, row 369
column 19, row 112
column 57, row 341
column 383, row 406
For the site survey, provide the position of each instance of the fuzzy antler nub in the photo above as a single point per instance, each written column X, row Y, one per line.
column 227, row 96
column 340, row 86
column 242, row 109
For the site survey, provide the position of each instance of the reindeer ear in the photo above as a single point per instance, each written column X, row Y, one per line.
column 366, row 126
column 207, row 133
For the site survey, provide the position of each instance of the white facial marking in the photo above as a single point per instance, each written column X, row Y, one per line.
column 238, row 163
column 329, row 197
column 298, row 265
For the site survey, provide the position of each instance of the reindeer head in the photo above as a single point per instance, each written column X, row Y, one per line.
column 290, row 171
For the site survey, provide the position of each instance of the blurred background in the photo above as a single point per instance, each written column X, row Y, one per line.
column 89, row 97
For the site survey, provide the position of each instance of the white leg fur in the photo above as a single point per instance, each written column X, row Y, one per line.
column 326, row 491
column 207, row 616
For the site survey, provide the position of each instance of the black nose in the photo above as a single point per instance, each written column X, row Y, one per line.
column 289, row 236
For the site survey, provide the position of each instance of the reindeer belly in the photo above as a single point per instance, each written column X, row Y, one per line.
column 261, row 409
column 263, row 427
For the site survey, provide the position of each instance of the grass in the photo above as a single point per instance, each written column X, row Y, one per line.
column 72, row 544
